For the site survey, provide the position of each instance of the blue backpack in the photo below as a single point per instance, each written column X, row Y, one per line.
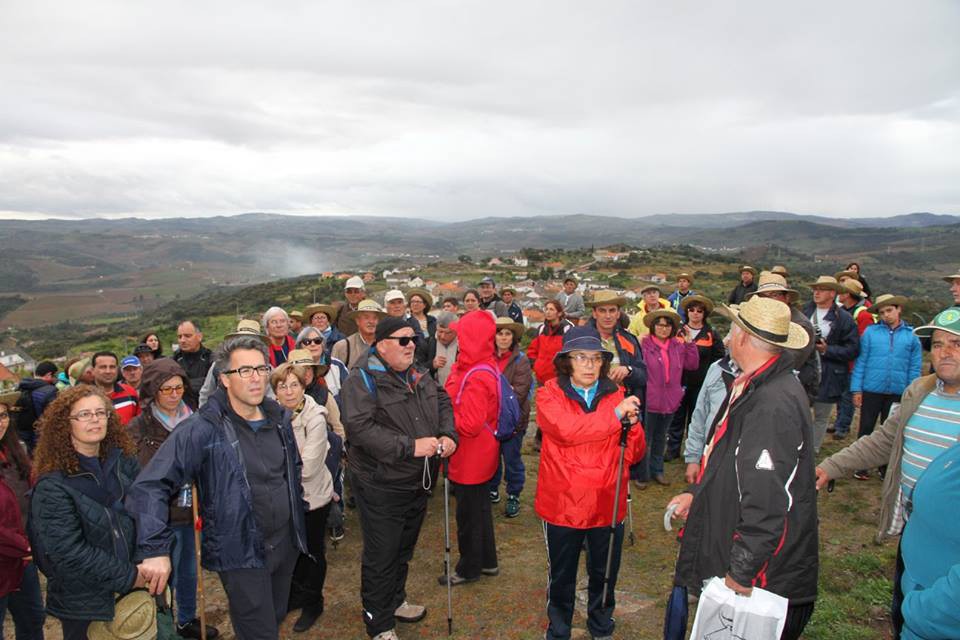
column 509, row 417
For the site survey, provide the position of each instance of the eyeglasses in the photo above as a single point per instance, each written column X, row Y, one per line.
column 89, row 416
column 689, row 310
column 291, row 386
column 170, row 391
column 402, row 340
column 582, row 358
column 309, row 341
column 247, row 372
column 4, row 416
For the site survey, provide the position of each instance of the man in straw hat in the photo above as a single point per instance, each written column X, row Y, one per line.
column 890, row 359
column 926, row 424
column 684, row 282
column 397, row 419
column 352, row 348
column 780, row 270
column 806, row 360
column 627, row 368
column 651, row 300
column 747, row 284
column 758, row 458
column 296, row 322
column 838, row 344
column 509, row 296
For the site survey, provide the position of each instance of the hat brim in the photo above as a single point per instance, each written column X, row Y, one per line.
column 669, row 314
column 423, row 293
column 705, row 302
column 353, row 314
column 792, row 295
column 836, row 288
column 515, row 327
column 895, row 301
column 313, row 310
column 620, row 301
column 797, row 336
column 244, row 334
column 950, row 279
column 607, row 356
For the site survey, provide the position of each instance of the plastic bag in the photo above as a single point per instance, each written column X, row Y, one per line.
column 722, row 614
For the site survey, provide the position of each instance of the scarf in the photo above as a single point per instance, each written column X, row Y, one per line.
column 664, row 354
column 169, row 423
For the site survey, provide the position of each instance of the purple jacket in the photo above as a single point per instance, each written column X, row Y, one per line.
column 663, row 397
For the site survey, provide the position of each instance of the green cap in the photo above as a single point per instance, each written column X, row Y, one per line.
column 946, row 320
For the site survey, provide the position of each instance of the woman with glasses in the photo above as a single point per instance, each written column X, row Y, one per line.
column 19, row 582
column 320, row 316
column 419, row 302
column 83, row 538
column 162, row 390
column 580, row 413
column 309, row 424
column 667, row 355
column 327, row 374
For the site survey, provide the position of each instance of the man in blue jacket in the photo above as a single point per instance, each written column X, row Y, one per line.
column 240, row 451
column 838, row 344
column 890, row 359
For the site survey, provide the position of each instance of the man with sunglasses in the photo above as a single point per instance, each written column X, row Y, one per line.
column 397, row 419
column 240, row 451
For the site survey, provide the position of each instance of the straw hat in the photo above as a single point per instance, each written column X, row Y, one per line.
column 301, row 357
column 686, row 276
column 247, row 328
column 423, row 294
column 704, row 301
column 604, row 297
column 504, row 290
column 888, row 300
column 651, row 287
column 313, row 309
column 827, row 282
column 847, row 274
column 773, row 282
column 747, row 267
column 950, row 279
column 768, row 320
column 779, row 269
column 508, row 323
column 296, row 314
column 134, row 618
column 853, row 287
column 651, row 318
column 367, row 306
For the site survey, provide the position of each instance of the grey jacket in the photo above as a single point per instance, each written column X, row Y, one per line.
column 712, row 394
column 883, row 447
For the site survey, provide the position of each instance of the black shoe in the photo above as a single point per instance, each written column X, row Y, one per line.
column 861, row 475
column 308, row 616
column 351, row 502
column 336, row 534
column 192, row 630
column 456, row 579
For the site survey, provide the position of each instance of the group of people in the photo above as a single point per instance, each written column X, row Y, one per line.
column 108, row 467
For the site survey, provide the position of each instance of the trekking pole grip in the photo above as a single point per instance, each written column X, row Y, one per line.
column 624, row 430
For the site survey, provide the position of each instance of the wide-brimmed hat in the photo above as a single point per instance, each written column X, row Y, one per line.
column 853, row 287
column 301, row 357
column 9, row 398
column 768, row 320
column 847, row 274
column 780, row 270
column 947, row 320
column 950, row 279
column 770, row 282
column 504, row 290
column 313, row 309
column 583, row 338
column 247, row 328
column 423, row 293
column 826, row 282
column 685, row 276
column 747, row 267
column 889, row 300
column 606, row 296
column 367, row 306
column 651, row 287
column 296, row 314
column 134, row 618
column 703, row 301
column 651, row 318
column 508, row 323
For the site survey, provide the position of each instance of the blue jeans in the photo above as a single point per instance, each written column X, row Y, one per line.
column 655, row 427
column 513, row 461
column 844, row 414
column 26, row 607
column 183, row 558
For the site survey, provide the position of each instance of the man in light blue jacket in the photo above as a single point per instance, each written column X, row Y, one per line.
column 889, row 360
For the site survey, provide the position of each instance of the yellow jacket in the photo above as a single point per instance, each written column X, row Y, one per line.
column 637, row 327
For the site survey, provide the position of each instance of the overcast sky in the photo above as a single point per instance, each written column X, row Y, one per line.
column 451, row 110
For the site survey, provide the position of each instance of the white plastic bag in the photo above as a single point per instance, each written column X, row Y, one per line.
column 722, row 614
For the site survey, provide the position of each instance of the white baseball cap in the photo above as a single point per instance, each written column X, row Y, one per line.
column 356, row 282
column 393, row 294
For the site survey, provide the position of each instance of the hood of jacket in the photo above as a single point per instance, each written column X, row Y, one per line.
column 158, row 372
column 475, row 331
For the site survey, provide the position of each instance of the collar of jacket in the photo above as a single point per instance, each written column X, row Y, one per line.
column 218, row 405
column 773, row 367
column 705, row 337
column 372, row 364
column 605, row 387
column 623, row 342
column 546, row 329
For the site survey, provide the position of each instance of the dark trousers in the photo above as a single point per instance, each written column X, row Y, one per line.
column 390, row 522
column 310, row 573
column 258, row 597
column 25, row 606
column 681, row 418
column 675, row 624
column 896, row 614
column 655, row 427
column 844, row 413
column 875, row 405
column 563, row 554
column 74, row 629
column 475, row 539
column 512, row 461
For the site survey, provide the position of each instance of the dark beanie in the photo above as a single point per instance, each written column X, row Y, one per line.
column 387, row 326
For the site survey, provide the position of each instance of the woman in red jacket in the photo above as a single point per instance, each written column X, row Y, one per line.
column 474, row 462
column 579, row 413
column 545, row 346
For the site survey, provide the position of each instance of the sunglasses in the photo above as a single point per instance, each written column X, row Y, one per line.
column 402, row 340
column 308, row 341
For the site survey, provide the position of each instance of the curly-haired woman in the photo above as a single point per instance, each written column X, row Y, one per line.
column 83, row 539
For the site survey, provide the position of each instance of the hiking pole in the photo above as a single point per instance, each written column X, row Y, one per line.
column 446, row 542
column 624, row 429
column 196, row 545
column 630, row 513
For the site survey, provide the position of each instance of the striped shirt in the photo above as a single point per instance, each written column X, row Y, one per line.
column 932, row 429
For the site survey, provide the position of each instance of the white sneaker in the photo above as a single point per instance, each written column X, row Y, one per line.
column 387, row 635
column 407, row 612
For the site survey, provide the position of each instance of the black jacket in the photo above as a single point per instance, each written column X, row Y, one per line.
column 204, row 449
column 383, row 413
column 843, row 347
column 195, row 364
column 710, row 349
column 754, row 512
column 87, row 543
column 739, row 293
